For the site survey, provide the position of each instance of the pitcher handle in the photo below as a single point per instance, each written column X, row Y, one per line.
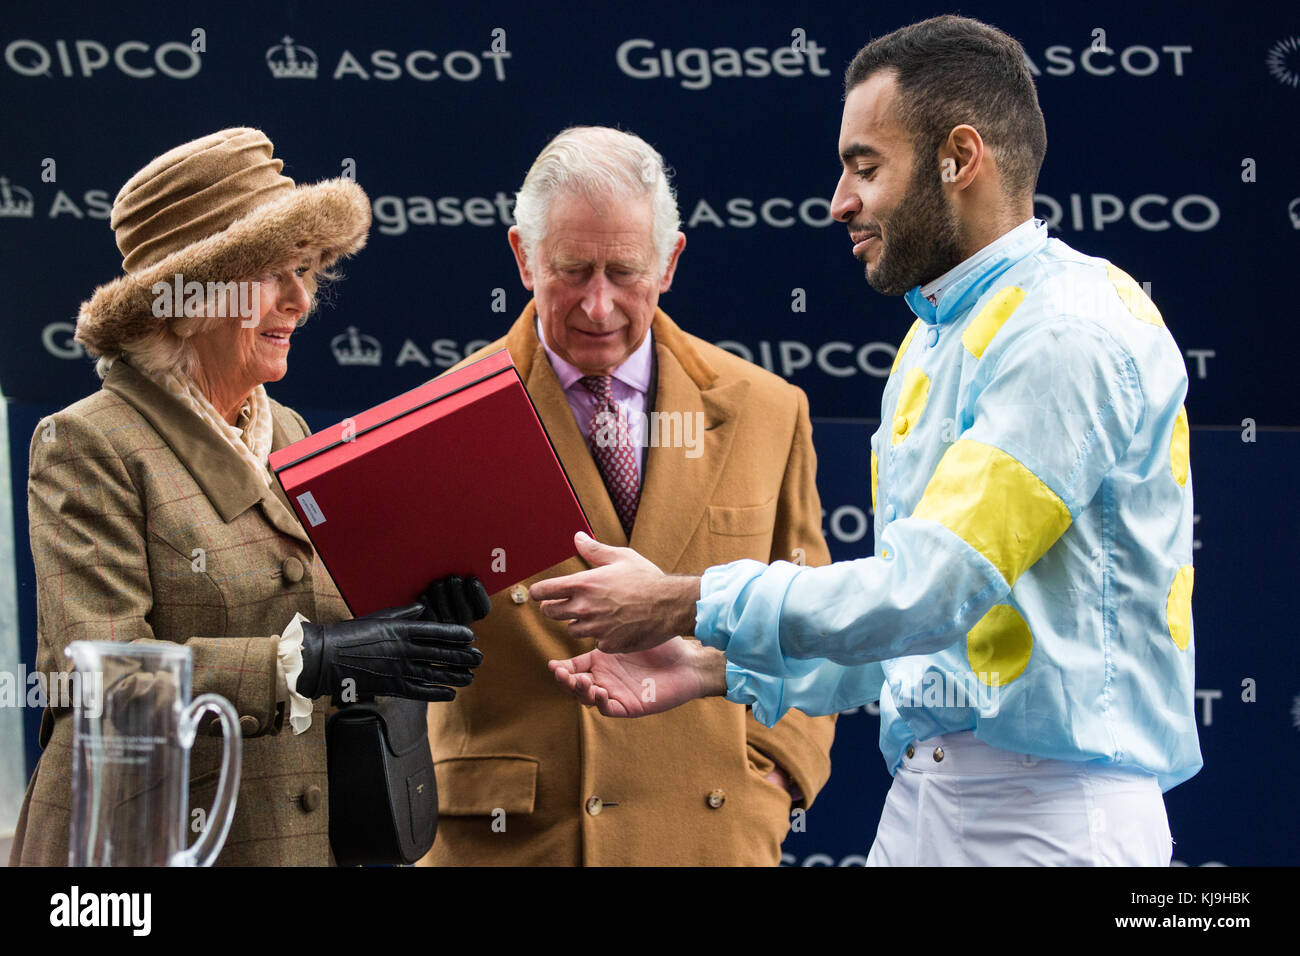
column 213, row 838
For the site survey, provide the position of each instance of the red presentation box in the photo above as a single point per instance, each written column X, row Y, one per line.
column 457, row 476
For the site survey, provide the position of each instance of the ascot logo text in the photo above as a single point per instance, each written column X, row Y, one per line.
column 1099, row 59
column 745, row 212
column 289, row 60
column 695, row 68
column 83, row 58
column 16, row 202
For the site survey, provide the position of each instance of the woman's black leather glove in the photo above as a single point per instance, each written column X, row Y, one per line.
column 391, row 653
column 456, row 600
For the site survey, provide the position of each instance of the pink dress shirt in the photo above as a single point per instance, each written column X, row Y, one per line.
column 630, row 387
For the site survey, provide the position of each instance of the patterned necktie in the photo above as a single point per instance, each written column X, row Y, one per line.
column 611, row 446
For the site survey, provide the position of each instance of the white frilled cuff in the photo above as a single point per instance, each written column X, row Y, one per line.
column 289, row 664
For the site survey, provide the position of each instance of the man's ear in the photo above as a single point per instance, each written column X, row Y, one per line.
column 666, row 282
column 521, row 260
column 961, row 157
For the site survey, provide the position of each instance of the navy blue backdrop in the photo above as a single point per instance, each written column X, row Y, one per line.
column 1172, row 150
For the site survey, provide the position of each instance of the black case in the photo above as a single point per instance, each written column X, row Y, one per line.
column 383, row 796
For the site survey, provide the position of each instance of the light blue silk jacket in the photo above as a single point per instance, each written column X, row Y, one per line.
column 1032, row 574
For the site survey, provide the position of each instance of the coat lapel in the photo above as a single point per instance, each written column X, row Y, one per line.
column 556, row 415
column 275, row 504
column 677, row 488
column 213, row 464
column 223, row 476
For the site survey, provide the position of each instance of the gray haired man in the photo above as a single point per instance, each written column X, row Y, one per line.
column 686, row 453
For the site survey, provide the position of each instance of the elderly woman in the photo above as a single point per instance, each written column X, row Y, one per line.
column 153, row 515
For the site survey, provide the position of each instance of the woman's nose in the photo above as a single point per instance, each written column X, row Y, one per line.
column 294, row 297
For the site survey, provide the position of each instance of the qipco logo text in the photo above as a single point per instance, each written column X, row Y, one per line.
column 85, row 58
column 1150, row 212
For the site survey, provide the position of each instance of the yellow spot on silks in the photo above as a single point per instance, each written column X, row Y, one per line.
column 999, row 646
column 995, row 504
column 907, row 340
column 911, row 403
column 1178, row 448
column 990, row 319
column 1178, row 609
column 875, row 478
column 1134, row 299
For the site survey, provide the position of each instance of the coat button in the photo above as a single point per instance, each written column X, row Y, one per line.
column 716, row 798
column 890, row 512
column 594, row 806
column 911, row 751
column 311, row 798
column 519, row 594
column 932, row 336
column 249, row 725
column 938, row 754
column 292, row 570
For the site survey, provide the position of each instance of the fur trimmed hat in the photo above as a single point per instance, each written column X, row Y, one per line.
column 216, row 209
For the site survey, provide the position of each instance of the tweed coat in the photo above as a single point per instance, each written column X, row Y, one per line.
column 146, row 526
column 527, row 775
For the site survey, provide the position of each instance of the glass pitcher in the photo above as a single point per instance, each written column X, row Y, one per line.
column 133, row 729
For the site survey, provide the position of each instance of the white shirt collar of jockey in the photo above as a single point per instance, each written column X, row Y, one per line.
column 942, row 299
column 635, row 372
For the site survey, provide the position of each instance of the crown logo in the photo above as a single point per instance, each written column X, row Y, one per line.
column 353, row 348
column 290, row 62
column 15, row 202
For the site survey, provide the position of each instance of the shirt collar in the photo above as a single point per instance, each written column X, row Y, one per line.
column 941, row 299
column 634, row 372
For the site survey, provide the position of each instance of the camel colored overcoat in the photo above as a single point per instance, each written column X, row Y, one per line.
column 527, row 775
